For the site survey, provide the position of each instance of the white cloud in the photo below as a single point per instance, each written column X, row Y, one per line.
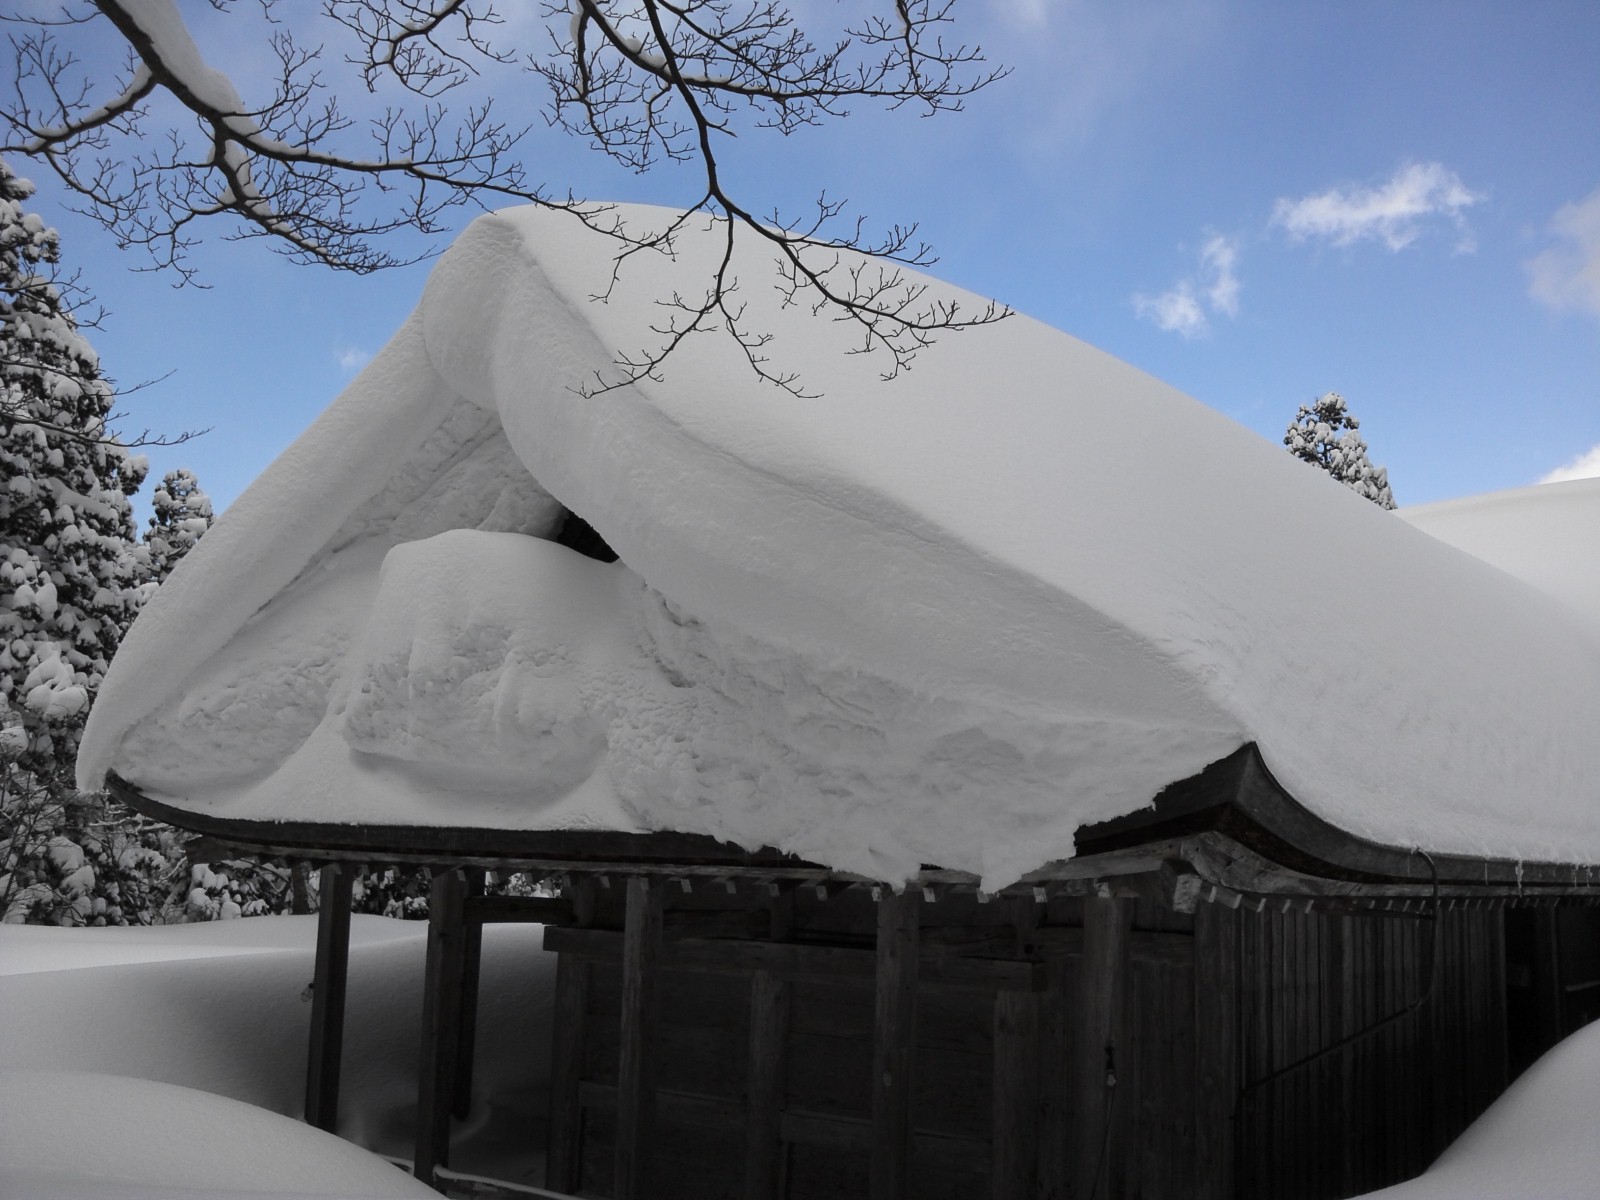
column 1585, row 466
column 1567, row 276
column 1217, row 258
column 1395, row 212
column 1182, row 308
column 1176, row 310
column 352, row 359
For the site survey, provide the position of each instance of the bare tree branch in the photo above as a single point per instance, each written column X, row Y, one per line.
column 644, row 81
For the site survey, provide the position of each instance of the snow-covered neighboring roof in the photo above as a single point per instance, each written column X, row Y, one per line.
column 1547, row 535
column 948, row 618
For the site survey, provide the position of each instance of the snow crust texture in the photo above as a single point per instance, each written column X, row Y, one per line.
column 946, row 619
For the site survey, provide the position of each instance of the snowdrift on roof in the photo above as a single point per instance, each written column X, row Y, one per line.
column 947, row 619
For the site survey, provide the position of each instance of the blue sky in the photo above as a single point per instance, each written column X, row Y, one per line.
column 1256, row 202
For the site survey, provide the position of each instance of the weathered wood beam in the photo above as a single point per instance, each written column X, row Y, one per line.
column 328, row 985
column 441, row 1023
column 1216, row 1044
column 471, row 965
column 1016, row 1095
column 799, row 961
column 769, row 1034
column 641, row 962
column 894, row 1041
column 564, row 1133
column 1102, row 1055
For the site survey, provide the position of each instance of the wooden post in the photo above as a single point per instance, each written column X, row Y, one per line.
column 327, row 997
column 894, row 1039
column 441, row 1023
column 641, row 955
column 564, row 1134
column 1016, row 1095
column 1216, row 1045
column 1055, row 1077
column 1098, row 1153
column 467, row 1039
column 769, row 1033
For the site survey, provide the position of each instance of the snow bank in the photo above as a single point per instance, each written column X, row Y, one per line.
column 222, row 1008
column 1536, row 1140
column 944, row 619
column 83, row 1135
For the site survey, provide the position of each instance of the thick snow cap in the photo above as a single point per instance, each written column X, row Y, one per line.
column 944, row 619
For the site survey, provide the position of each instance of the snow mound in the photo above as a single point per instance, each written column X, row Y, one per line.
column 1535, row 1140
column 84, row 1135
column 1548, row 535
column 948, row 618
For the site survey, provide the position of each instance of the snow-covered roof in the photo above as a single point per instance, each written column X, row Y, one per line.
column 944, row 619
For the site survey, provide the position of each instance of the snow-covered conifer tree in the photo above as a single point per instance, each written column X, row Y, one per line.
column 1324, row 433
column 66, row 587
column 182, row 516
column 68, row 591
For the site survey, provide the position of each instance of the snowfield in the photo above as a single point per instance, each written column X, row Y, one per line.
column 945, row 619
column 138, row 1062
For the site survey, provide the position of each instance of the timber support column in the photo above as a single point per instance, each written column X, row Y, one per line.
column 1102, row 1059
column 441, row 1022
column 636, row 1085
column 1216, row 1048
column 327, row 996
column 894, row 1040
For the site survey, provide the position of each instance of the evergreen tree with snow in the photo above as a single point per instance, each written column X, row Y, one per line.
column 66, row 587
column 69, row 588
column 1324, row 433
column 182, row 516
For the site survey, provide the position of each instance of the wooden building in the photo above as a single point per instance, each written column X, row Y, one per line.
column 1221, row 997
column 1027, row 616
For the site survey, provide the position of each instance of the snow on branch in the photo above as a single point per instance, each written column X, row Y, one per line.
column 643, row 81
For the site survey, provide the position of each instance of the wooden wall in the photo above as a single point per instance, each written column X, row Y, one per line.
column 1039, row 1069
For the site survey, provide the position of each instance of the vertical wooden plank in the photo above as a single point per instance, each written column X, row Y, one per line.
column 769, row 1036
column 1054, row 1119
column 441, row 1023
column 641, row 955
column 326, row 1050
column 1016, row 1095
column 894, row 1034
column 564, row 1133
column 467, row 1039
column 1098, row 1152
column 1216, row 1044
column 1547, row 977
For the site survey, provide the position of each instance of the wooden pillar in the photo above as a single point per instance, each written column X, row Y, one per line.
column 1016, row 1095
column 1098, row 1152
column 467, row 1038
column 894, row 1039
column 641, row 955
column 769, row 1034
column 327, row 997
column 1216, row 1045
column 441, row 1022
column 1057, row 1012
column 564, row 1134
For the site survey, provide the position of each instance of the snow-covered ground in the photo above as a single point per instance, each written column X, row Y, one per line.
column 152, row 1064
column 1537, row 1140
column 222, row 1008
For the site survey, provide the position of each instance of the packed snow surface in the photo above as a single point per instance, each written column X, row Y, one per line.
column 81, row 1135
column 1536, row 1140
column 137, row 1062
column 947, row 618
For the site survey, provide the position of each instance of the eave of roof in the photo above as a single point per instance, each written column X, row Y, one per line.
column 1232, row 828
